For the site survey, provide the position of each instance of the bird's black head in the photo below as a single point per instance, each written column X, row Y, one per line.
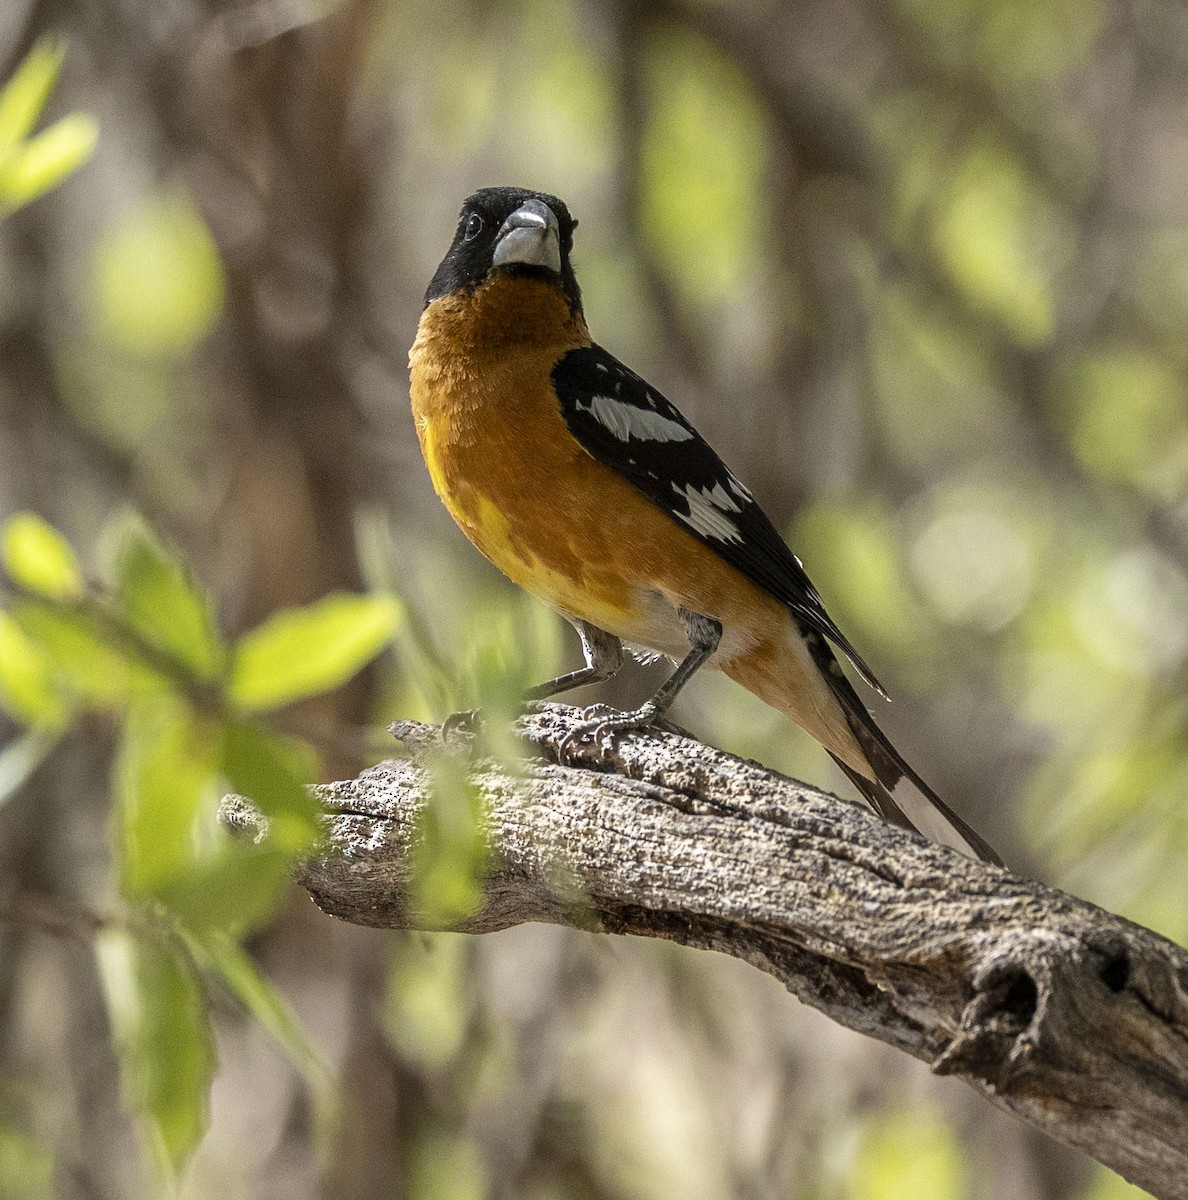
column 510, row 230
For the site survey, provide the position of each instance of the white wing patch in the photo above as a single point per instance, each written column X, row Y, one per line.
column 739, row 489
column 708, row 509
column 626, row 421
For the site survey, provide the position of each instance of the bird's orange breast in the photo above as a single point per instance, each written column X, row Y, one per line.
column 501, row 459
column 554, row 519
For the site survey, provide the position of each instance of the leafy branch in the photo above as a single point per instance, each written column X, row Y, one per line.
column 194, row 714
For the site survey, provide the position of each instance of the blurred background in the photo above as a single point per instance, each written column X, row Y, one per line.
column 917, row 268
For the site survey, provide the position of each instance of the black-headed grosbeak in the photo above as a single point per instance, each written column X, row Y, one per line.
column 585, row 486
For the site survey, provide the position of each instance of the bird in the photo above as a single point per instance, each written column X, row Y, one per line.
column 589, row 489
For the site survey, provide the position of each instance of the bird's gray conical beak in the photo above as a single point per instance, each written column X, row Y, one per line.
column 531, row 236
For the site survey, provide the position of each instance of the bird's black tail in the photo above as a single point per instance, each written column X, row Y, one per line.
column 896, row 792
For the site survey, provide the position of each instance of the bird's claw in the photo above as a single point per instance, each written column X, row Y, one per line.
column 600, row 723
column 466, row 721
column 589, row 726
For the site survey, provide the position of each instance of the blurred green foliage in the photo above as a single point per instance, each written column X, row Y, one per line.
column 140, row 648
column 1124, row 409
column 162, row 1034
column 447, row 1166
column 450, row 847
column 32, row 165
column 426, row 1008
column 1001, row 240
column 1013, row 42
column 908, row 1155
column 705, row 155
column 157, row 284
column 26, row 1168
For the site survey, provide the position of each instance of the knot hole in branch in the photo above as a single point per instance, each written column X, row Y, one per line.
column 1115, row 971
column 1012, row 996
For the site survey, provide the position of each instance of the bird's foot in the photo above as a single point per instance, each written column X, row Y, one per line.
column 469, row 720
column 473, row 720
column 600, row 723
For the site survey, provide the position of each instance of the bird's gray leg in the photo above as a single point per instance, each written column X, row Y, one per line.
column 704, row 634
column 604, row 656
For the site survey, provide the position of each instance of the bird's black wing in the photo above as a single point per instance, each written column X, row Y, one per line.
column 634, row 430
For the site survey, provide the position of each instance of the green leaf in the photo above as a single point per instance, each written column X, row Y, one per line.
column 32, row 169
column 40, row 559
column 235, row 887
column 21, row 757
column 87, row 665
column 272, row 771
column 162, row 1039
column 29, row 691
column 450, row 850
column 26, row 93
column 169, row 771
column 261, row 999
column 167, row 765
column 161, row 602
column 304, row 651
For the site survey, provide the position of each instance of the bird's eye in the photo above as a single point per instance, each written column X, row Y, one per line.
column 474, row 226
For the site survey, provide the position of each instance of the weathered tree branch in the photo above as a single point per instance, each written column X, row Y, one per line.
column 1074, row 1019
